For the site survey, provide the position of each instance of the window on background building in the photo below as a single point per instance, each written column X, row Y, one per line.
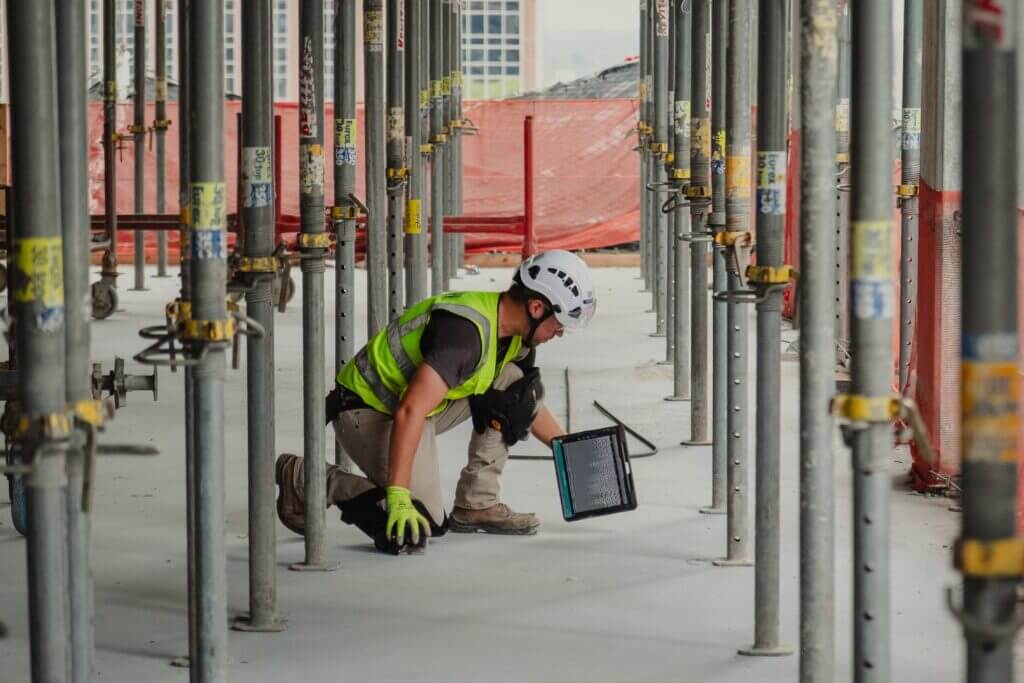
column 493, row 55
column 281, row 49
column 329, row 45
column 476, row 23
column 512, row 24
column 171, row 31
column 512, row 55
column 476, row 55
column 494, row 23
column 512, row 5
column 229, row 48
column 512, row 69
column 493, row 69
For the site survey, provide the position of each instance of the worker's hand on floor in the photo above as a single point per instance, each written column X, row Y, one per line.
column 402, row 513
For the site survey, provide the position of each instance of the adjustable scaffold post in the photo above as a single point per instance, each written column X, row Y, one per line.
column 397, row 171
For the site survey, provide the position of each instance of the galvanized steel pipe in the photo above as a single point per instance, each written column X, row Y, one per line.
column 818, row 63
column 990, row 614
column 74, row 206
column 376, row 173
column 871, row 313
column 772, row 128
column 257, row 207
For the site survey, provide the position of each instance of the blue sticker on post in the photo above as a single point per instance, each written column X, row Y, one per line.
column 207, row 244
column 873, row 299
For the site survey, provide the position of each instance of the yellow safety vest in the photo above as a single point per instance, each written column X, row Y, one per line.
column 380, row 372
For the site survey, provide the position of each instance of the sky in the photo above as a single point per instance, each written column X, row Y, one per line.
column 581, row 37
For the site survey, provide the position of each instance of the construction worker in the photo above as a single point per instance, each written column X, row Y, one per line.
column 447, row 359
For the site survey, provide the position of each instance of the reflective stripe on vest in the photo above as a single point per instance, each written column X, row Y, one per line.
column 396, row 331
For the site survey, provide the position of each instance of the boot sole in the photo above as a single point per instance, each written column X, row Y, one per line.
column 465, row 528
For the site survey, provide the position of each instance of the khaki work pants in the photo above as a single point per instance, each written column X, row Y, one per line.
column 365, row 434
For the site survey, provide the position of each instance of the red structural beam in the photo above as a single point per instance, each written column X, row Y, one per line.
column 287, row 224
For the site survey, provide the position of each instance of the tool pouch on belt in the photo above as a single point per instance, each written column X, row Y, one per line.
column 338, row 401
column 511, row 410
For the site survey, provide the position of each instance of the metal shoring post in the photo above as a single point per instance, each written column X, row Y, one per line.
column 160, row 127
column 345, row 212
column 990, row 383
column 376, row 172
column 185, row 259
column 257, row 207
column 678, row 345
column 208, row 272
column 74, row 206
column 39, row 312
column 642, row 122
column 716, row 223
column 871, row 313
column 651, row 198
column 737, row 207
column 460, row 171
column 451, row 249
column 700, row 205
column 913, row 32
column 842, row 224
column 397, row 170
column 313, row 252
column 659, row 148
column 108, row 272
column 139, row 134
column 426, row 150
column 818, row 64
column 772, row 123
column 669, row 190
column 457, row 172
column 437, row 139
column 415, row 258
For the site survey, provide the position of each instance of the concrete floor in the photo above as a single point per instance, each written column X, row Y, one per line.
column 629, row 597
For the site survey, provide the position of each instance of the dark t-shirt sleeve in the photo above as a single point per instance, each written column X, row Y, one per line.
column 451, row 345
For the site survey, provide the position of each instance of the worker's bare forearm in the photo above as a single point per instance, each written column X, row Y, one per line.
column 406, row 431
column 546, row 427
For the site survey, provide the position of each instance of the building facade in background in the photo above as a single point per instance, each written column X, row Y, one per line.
column 500, row 44
column 500, row 48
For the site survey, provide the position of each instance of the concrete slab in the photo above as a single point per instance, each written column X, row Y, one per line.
column 629, row 597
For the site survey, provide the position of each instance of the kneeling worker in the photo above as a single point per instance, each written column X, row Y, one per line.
column 446, row 359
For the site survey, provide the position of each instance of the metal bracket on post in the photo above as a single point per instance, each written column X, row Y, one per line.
column 906, row 192
column 118, row 383
column 194, row 336
column 738, row 245
column 860, row 411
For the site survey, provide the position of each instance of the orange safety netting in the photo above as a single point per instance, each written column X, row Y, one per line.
column 587, row 190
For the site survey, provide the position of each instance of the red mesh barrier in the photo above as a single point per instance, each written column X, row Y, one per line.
column 587, row 176
column 935, row 358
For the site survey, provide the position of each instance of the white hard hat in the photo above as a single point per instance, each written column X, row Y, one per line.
column 563, row 279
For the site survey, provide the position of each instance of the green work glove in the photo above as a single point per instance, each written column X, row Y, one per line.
column 402, row 512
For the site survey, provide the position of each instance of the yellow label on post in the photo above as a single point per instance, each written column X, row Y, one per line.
column 207, row 206
column 737, row 175
column 413, row 220
column 446, row 85
column 871, row 250
column 424, row 98
column 40, row 277
column 700, row 134
column 843, row 116
column 435, row 89
column 990, row 394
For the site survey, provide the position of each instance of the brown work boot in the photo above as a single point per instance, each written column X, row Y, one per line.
column 290, row 509
column 497, row 519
